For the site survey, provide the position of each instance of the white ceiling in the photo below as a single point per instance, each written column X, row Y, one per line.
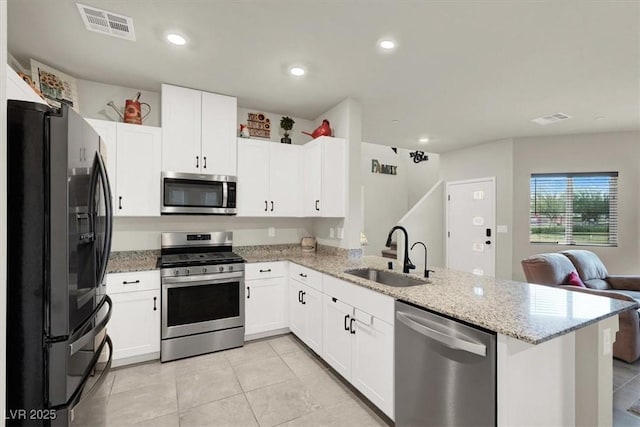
column 464, row 72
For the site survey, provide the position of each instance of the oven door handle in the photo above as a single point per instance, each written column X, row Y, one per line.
column 176, row 282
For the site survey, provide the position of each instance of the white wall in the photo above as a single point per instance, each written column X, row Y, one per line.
column 618, row 151
column 346, row 122
column 93, row 98
column 144, row 233
column 297, row 137
column 485, row 160
column 3, row 207
column 387, row 198
column 425, row 223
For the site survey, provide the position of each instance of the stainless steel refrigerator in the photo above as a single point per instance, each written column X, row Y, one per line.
column 59, row 222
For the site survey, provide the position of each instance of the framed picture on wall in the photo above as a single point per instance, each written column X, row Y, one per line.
column 56, row 86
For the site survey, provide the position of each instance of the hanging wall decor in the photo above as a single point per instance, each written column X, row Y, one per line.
column 56, row 86
column 377, row 167
column 259, row 125
column 418, row 156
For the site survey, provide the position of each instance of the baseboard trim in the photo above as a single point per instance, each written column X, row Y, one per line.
column 266, row 334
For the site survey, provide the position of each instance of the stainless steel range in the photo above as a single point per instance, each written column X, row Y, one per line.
column 202, row 294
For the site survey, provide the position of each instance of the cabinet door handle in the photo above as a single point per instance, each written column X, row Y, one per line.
column 266, row 205
column 133, row 282
column 317, row 208
column 272, row 206
column 197, row 162
column 205, row 161
column 303, row 294
column 302, row 275
column 346, row 322
column 351, row 328
column 248, row 292
column 300, row 296
column 155, row 307
column 268, row 270
column 120, row 202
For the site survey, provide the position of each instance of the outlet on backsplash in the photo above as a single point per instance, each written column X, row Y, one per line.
column 272, row 232
column 332, row 233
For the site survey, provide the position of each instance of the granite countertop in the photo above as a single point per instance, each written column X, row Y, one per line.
column 128, row 261
column 530, row 313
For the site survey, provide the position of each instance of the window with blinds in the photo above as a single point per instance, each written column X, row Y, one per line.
column 574, row 208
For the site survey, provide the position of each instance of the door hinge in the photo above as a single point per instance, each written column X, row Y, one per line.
column 448, row 234
column 449, row 197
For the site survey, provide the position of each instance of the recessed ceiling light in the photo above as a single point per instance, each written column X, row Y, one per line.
column 395, row 121
column 176, row 39
column 599, row 118
column 297, row 71
column 387, row 44
column 423, row 140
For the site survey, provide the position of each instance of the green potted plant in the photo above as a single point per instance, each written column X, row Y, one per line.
column 286, row 123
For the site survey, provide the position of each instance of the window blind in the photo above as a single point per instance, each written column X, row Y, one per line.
column 574, row 208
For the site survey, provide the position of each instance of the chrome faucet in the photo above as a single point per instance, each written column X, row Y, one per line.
column 406, row 264
column 426, row 271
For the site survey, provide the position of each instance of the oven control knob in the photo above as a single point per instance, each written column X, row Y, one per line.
column 186, row 271
column 176, row 272
column 221, row 269
column 231, row 268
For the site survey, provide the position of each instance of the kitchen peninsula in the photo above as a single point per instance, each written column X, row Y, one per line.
column 556, row 342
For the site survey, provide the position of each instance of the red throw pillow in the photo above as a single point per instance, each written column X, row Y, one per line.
column 574, row 280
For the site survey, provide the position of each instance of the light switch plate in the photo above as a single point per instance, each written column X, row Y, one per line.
column 340, row 232
column 272, row 232
column 502, row 229
column 332, row 233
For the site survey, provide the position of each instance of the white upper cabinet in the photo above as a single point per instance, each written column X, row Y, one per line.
column 181, row 129
column 132, row 154
column 268, row 179
column 325, row 177
column 219, row 117
column 199, row 131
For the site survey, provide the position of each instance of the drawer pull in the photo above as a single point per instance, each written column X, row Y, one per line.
column 346, row 322
column 303, row 275
column 133, row 282
column 268, row 270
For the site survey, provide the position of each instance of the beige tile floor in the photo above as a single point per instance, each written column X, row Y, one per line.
column 626, row 391
column 271, row 382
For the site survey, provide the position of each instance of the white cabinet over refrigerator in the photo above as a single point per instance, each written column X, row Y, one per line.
column 199, row 131
column 133, row 164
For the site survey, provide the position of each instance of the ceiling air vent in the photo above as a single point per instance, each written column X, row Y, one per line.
column 552, row 118
column 109, row 23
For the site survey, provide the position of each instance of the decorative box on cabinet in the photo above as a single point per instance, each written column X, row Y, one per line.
column 265, row 299
column 325, row 177
column 199, row 131
column 132, row 155
column 269, row 176
column 134, row 327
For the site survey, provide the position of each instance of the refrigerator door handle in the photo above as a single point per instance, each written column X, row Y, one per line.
column 106, row 187
column 77, row 344
column 453, row 342
column 79, row 396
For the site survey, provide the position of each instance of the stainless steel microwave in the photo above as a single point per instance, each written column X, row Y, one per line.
column 190, row 193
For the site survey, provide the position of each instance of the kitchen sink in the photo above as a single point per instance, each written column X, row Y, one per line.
column 386, row 277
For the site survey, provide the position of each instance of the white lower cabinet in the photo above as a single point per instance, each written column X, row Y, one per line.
column 357, row 344
column 265, row 298
column 305, row 314
column 134, row 327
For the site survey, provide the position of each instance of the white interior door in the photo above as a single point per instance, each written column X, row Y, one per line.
column 471, row 228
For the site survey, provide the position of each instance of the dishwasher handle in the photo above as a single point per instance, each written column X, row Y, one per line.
column 416, row 323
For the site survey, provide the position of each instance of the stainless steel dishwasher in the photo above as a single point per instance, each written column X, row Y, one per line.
column 445, row 371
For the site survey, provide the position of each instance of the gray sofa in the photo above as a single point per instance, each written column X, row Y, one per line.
column 553, row 269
